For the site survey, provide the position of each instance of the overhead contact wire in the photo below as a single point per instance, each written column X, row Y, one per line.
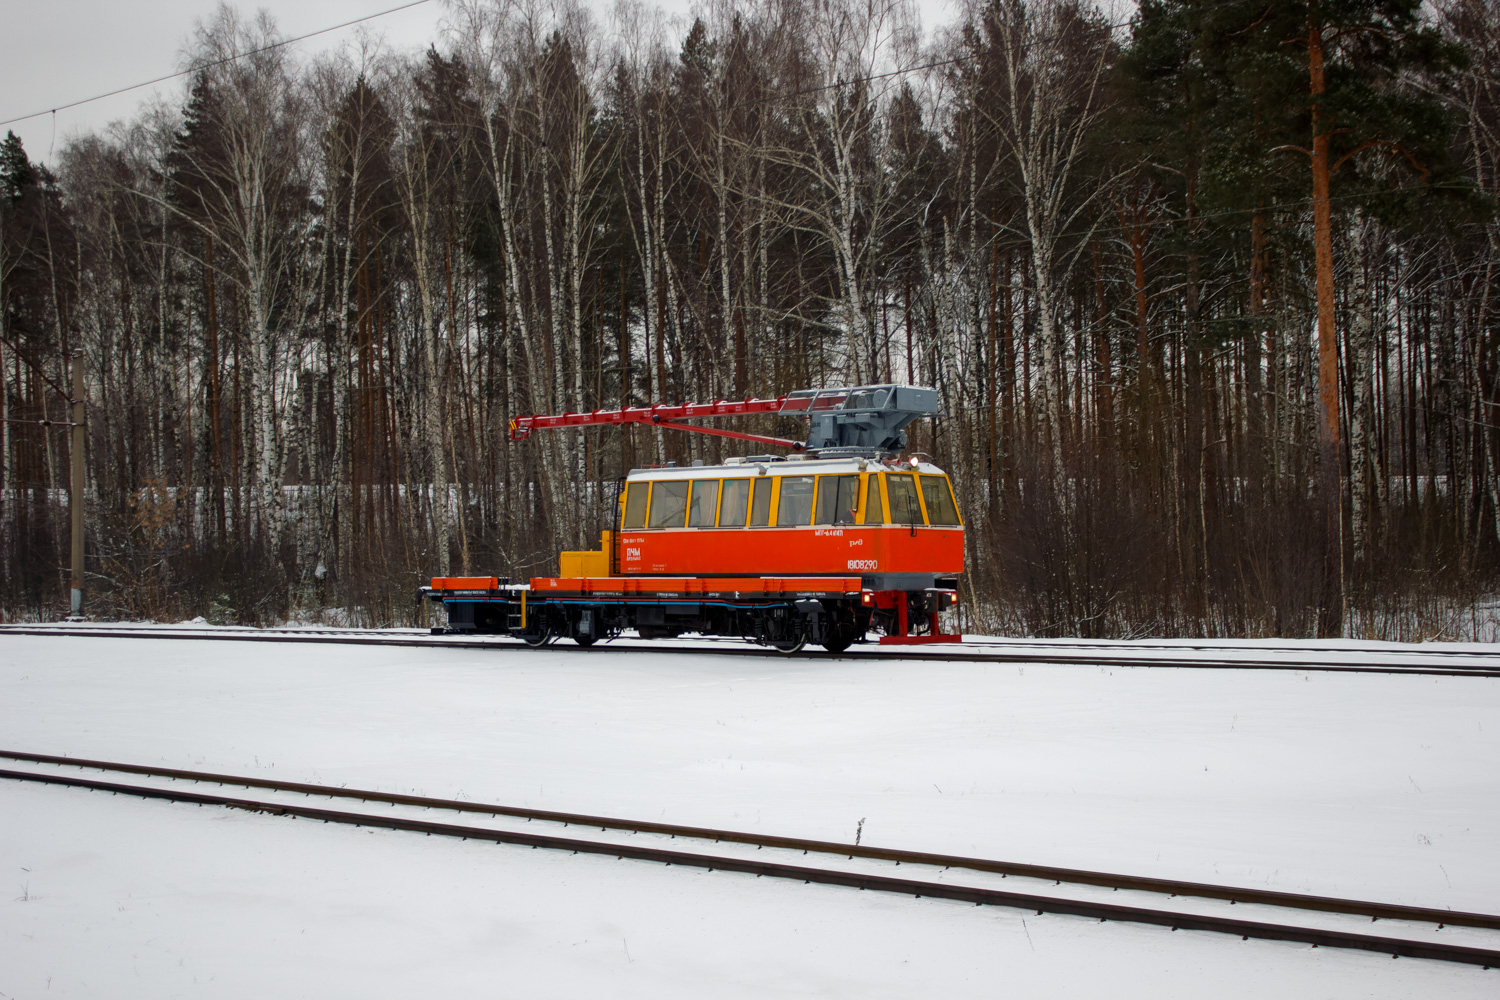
column 211, row 65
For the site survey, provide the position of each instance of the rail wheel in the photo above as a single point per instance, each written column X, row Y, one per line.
column 793, row 645
column 540, row 638
column 838, row 642
column 783, row 632
column 585, row 640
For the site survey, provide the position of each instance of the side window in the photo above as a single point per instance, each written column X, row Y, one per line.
column 796, row 503
column 838, row 499
column 760, row 503
column 635, row 505
column 669, row 504
column 733, row 500
column 902, row 490
column 703, row 504
column 874, row 509
column 939, row 497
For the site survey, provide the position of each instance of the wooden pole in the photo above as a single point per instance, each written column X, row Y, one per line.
column 76, row 484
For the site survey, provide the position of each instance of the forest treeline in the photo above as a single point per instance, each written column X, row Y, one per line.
column 1209, row 296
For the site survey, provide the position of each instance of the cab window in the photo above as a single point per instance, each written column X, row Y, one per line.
column 874, row 509
column 760, row 503
column 838, row 499
column 733, row 499
column 939, row 497
column 635, row 505
column 669, row 504
column 796, row 503
column 902, row 490
column 703, row 503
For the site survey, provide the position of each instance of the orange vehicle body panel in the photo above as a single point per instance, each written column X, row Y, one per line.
column 820, row 549
column 465, row 582
column 688, row 586
column 763, row 558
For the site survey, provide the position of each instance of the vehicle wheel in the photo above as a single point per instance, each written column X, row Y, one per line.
column 838, row 643
column 789, row 646
column 585, row 640
column 536, row 640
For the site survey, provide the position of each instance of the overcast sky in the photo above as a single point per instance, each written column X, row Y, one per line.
column 60, row 51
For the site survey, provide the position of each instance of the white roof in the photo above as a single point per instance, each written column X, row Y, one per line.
column 791, row 467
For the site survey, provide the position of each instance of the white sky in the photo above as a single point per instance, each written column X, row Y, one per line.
column 62, row 51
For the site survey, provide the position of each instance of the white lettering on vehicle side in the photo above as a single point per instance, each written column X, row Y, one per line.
column 829, row 532
column 632, row 553
column 856, row 541
column 864, row 564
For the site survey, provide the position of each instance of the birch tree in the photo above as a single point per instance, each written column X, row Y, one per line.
column 248, row 198
column 1044, row 64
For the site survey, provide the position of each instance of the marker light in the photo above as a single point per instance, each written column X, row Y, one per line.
column 914, row 461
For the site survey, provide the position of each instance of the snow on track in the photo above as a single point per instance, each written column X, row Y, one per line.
column 1437, row 934
column 159, row 900
column 1332, row 654
column 1376, row 786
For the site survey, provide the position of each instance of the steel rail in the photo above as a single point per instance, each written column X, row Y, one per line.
column 1189, row 645
column 1109, row 880
column 905, row 653
column 971, row 642
column 1396, row 947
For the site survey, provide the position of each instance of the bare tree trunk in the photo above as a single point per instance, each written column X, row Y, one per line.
column 1330, row 444
column 1044, row 115
column 1363, row 461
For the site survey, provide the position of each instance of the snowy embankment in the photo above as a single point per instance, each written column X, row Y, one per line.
column 1374, row 786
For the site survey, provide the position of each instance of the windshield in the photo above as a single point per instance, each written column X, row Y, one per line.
column 902, row 490
column 939, row 497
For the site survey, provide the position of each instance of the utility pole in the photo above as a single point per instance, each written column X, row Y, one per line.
column 76, row 485
column 76, row 480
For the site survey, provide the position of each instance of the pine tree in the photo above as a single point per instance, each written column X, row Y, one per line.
column 1331, row 81
column 1355, row 116
column 16, row 172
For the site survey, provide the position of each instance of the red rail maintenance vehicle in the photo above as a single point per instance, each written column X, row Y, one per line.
column 843, row 537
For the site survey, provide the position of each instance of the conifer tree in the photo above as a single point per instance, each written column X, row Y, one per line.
column 1345, row 85
column 16, row 171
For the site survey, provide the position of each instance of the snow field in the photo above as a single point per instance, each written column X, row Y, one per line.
column 129, row 898
column 1370, row 786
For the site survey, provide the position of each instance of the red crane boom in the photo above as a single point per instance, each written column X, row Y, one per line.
column 663, row 415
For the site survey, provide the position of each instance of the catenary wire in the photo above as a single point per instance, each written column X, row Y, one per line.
column 1298, row 204
column 416, row 3
column 1286, row 206
column 210, row 65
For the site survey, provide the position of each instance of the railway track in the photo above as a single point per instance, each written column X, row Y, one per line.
column 1408, row 931
column 1450, row 663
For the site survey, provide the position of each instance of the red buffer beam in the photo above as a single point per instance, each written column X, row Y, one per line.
column 663, row 415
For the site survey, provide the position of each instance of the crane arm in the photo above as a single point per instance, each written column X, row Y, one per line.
column 863, row 420
column 663, row 415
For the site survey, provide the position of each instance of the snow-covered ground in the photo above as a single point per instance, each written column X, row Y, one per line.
column 1373, row 786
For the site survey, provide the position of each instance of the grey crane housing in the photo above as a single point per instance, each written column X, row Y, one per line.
column 865, row 421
